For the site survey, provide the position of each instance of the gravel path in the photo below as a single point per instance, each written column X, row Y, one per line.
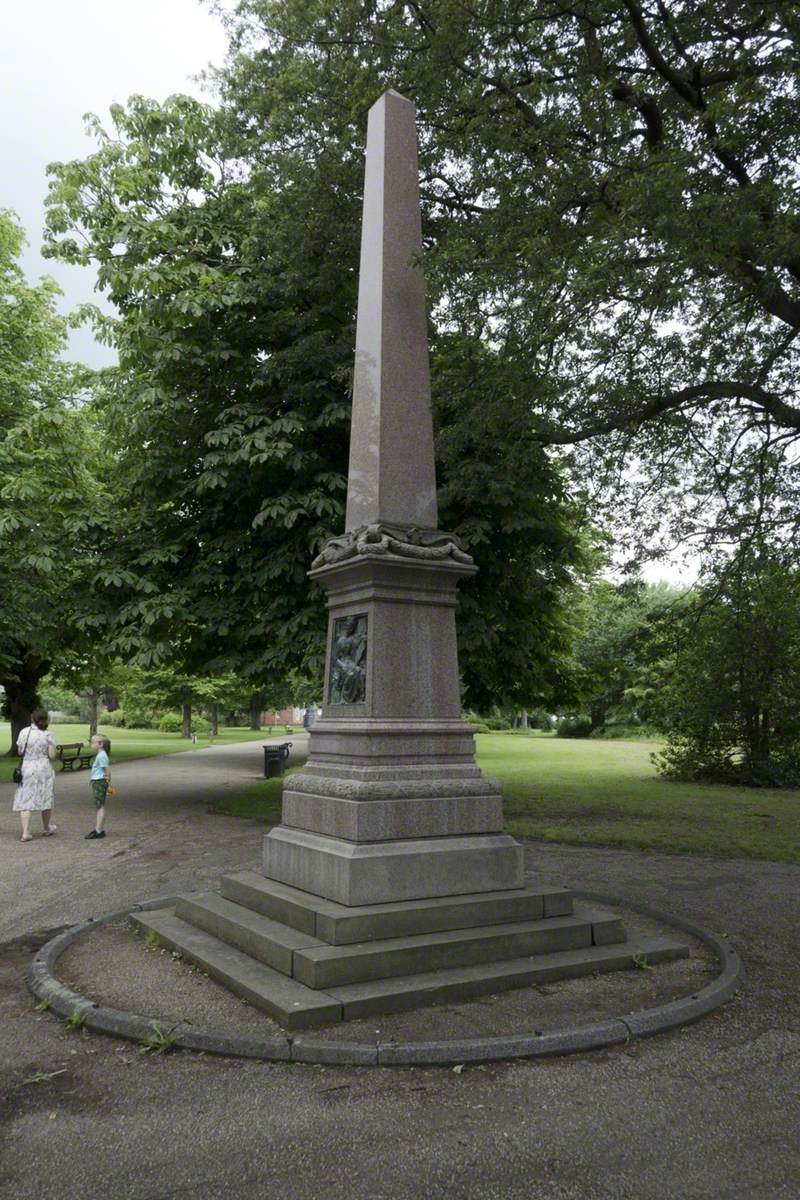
column 708, row 1112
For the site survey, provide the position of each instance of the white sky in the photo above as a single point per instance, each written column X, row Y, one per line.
column 63, row 58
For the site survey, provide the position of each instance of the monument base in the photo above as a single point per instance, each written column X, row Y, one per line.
column 356, row 873
column 307, row 961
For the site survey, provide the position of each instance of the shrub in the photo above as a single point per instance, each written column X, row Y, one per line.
column 626, row 733
column 692, row 760
column 496, row 723
column 139, row 718
column 539, row 718
column 574, row 727
column 172, row 722
column 117, row 717
column 479, row 727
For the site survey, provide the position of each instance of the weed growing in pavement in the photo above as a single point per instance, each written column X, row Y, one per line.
column 159, row 1040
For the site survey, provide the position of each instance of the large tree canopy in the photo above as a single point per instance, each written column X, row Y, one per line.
column 731, row 704
column 234, row 273
column 50, row 497
column 612, row 205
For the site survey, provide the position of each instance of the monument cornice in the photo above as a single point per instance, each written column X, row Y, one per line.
column 383, row 539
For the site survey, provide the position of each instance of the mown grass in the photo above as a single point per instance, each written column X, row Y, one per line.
column 606, row 793
column 130, row 743
column 260, row 801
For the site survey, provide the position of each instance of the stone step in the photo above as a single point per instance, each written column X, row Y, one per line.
column 291, row 1004
column 327, row 966
column 339, row 924
column 271, row 942
column 460, row 984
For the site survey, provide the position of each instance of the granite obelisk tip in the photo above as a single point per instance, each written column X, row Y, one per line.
column 392, row 477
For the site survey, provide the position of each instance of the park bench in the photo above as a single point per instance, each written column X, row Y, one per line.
column 70, row 753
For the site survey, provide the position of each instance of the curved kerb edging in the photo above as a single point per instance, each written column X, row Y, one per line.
column 44, row 985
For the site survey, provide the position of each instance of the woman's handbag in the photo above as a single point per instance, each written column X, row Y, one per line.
column 17, row 775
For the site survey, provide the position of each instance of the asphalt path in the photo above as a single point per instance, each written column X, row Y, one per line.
column 708, row 1112
column 161, row 836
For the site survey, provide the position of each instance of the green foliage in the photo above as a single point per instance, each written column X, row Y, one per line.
column 496, row 723
column 574, row 727
column 229, row 413
column 50, row 494
column 117, row 718
column 610, row 208
column 172, row 722
column 732, row 705
column 617, row 670
column 158, row 1041
column 59, row 699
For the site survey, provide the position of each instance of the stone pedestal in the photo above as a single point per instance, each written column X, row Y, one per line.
column 391, row 805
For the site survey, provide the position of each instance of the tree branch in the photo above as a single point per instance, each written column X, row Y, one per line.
column 703, row 394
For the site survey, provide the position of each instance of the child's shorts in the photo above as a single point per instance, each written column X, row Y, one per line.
column 99, row 789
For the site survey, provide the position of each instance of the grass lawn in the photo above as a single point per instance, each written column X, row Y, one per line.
column 260, row 801
column 131, row 743
column 606, row 794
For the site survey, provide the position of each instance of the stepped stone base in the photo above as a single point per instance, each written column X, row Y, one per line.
column 376, row 872
column 309, row 961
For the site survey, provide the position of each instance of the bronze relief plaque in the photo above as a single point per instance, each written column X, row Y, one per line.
column 348, row 678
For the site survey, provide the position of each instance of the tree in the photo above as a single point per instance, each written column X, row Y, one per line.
column 229, row 414
column 617, row 650
column 88, row 674
column 611, row 206
column 50, row 496
column 732, row 707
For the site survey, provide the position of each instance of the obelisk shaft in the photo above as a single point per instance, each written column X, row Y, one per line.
column 392, row 476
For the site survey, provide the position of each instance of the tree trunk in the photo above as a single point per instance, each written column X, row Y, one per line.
column 523, row 719
column 22, row 695
column 186, row 718
column 213, row 716
column 255, row 710
column 91, row 700
column 597, row 715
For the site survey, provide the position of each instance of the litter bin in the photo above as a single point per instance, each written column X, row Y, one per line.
column 275, row 757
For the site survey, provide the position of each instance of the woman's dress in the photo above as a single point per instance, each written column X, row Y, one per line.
column 36, row 790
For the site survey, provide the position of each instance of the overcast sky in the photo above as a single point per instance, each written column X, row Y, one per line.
column 63, row 58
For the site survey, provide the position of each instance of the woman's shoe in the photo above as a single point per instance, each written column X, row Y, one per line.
column 51, row 829
column 26, row 837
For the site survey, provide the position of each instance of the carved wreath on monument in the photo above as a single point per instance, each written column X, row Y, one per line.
column 348, row 681
column 406, row 541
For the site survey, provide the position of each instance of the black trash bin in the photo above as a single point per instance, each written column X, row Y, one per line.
column 275, row 757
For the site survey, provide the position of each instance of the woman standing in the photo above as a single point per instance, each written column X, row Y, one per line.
column 35, row 793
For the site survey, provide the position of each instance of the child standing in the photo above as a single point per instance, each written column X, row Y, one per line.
column 100, row 779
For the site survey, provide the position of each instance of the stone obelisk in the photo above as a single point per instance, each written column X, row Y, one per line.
column 390, row 805
column 389, row 883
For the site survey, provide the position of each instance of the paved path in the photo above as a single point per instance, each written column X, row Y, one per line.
column 708, row 1112
column 161, row 837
